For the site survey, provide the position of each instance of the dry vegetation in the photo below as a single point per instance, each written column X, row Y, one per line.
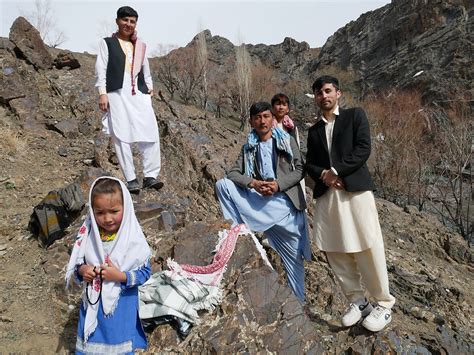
column 419, row 161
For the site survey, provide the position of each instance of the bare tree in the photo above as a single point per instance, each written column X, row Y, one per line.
column 167, row 72
column 244, row 82
column 263, row 83
column 44, row 19
column 404, row 152
column 202, row 62
column 455, row 186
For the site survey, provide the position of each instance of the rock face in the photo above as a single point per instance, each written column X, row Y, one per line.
column 426, row 45
column 28, row 42
column 66, row 59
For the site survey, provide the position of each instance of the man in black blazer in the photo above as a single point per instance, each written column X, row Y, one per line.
column 346, row 225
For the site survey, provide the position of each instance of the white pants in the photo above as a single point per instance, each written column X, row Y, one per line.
column 151, row 158
column 367, row 268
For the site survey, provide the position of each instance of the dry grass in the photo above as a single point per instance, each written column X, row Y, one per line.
column 12, row 142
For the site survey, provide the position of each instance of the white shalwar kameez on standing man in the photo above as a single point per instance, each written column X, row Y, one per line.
column 130, row 118
column 347, row 228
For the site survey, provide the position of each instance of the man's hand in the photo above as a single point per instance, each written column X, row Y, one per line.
column 103, row 102
column 271, row 187
column 265, row 188
column 339, row 184
column 328, row 177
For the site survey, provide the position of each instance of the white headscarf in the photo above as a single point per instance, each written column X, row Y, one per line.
column 129, row 251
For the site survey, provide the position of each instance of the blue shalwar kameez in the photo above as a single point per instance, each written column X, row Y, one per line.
column 121, row 332
column 275, row 215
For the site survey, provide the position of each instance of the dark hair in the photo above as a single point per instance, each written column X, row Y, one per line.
column 258, row 107
column 325, row 79
column 280, row 98
column 126, row 11
column 106, row 186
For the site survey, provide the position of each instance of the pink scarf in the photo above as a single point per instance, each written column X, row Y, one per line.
column 287, row 122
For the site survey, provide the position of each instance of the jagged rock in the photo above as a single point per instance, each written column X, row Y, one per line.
column 68, row 128
column 148, row 210
column 66, row 59
column 10, row 82
column 6, row 44
column 160, row 217
column 29, row 44
column 258, row 312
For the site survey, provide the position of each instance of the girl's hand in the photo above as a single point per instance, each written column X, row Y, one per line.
column 111, row 273
column 88, row 272
column 103, row 102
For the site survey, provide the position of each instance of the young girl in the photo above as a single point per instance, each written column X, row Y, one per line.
column 111, row 258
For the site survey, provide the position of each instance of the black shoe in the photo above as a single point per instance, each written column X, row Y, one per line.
column 151, row 182
column 133, row 186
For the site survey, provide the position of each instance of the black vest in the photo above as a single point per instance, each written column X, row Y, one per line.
column 116, row 66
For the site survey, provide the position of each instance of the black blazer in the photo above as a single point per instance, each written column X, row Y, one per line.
column 349, row 153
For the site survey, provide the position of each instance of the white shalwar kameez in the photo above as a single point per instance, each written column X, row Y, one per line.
column 130, row 118
column 347, row 228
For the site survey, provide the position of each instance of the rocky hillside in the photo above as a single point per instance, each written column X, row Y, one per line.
column 427, row 45
column 420, row 45
column 50, row 137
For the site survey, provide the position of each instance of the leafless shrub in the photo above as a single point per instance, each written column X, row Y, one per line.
column 180, row 73
column 244, row 82
column 455, row 193
column 403, row 155
column 416, row 161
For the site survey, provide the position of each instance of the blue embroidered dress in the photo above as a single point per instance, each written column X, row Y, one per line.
column 121, row 332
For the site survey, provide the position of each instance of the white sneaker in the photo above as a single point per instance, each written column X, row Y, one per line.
column 377, row 319
column 355, row 312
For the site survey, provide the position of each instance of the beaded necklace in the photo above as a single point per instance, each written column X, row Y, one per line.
column 107, row 237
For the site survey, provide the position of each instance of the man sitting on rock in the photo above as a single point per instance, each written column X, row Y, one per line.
column 262, row 190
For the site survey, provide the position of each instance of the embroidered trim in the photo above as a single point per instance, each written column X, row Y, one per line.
column 133, row 278
column 102, row 348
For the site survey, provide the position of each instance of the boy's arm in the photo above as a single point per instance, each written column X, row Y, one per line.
column 101, row 68
column 147, row 75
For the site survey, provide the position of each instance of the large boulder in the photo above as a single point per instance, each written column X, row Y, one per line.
column 29, row 44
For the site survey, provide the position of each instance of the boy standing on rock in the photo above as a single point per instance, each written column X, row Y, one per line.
column 125, row 90
column 346, row 224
